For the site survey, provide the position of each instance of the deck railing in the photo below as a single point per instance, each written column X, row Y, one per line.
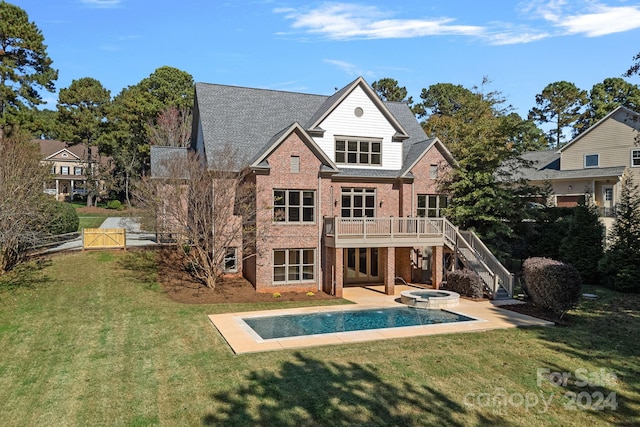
column 390, row 228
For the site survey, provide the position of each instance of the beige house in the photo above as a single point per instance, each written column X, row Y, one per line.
column 592, row 163
column 69, row 167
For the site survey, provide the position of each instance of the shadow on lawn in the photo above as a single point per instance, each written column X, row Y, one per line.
column 605, row 334
column 28, row 274
column 310, row 392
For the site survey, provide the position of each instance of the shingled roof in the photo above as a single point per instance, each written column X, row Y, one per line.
column 251, row 119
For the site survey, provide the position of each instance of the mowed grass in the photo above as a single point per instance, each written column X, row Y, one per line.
column 90, row 339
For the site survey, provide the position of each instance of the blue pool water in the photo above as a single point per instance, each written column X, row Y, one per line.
column 294, row 325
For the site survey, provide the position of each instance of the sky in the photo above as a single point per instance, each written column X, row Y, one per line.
column 318, row 46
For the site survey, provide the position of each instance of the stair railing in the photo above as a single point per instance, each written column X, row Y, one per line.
column 502, row 276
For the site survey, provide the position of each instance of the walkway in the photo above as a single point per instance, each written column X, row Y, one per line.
column 242, row 339
column 134, row 235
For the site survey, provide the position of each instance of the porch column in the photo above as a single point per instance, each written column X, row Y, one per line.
column 338, row 273
column 437, row 257
column 389, row 256
column 57, row 189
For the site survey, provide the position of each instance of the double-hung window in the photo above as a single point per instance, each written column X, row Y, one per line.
column 231, row 260
column 77, row 170
column 64, row 170
column 358, row 151
column 635, row 158
column 294, row 205
column 293, row 265
column 431, row 205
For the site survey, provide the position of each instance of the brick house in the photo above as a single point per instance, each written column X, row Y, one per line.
column 349, row 184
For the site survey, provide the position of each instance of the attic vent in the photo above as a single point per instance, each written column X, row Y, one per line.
column 64, row 155
column 358, row 112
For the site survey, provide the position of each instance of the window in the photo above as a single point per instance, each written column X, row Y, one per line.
column 64, row 170
column 295, row 164
column 53, row 169
column 591, row 160
column 294, row 205
column 77, row 170
column 431, row 205
column 358, row 152
column 433, row 172
column 635, row 158
column 358, row 202
column 231, row 260
column 293, row 265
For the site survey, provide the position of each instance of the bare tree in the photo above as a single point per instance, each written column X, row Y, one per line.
column 171, row 128
column 208, row 212
column 21, row 199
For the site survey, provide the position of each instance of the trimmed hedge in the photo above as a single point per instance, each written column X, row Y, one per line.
column 115, row 204
column 465, row 282
column 552, row 285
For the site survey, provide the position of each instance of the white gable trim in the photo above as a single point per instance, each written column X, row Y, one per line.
column 401, row 132
column 308, row 140
column 59, row 152
column 598, row 123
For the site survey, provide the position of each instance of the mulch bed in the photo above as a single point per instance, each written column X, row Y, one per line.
column 181, row 287
column 531, row 310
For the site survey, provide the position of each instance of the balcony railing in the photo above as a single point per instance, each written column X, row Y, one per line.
column 392, row 230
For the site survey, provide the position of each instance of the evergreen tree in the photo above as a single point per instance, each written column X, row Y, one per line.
column 24, row 65
column 620, row 266
column 583, row 245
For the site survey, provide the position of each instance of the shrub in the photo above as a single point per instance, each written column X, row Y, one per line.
column 552, row 285
column 114, row 204
column 465, row 282
column 61, row 217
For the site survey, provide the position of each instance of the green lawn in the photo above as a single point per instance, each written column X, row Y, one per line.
column 89, row 339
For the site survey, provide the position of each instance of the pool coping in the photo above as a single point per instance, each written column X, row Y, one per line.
column 487, row 316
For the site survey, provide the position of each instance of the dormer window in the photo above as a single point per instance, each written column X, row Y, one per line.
column 358, row 151
column 591, row 160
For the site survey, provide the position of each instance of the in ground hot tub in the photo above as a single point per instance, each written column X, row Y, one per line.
column 430, row 298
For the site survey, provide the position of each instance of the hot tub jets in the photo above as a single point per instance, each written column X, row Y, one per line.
column 424, row 298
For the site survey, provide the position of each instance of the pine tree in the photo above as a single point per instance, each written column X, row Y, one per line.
column 620, row 266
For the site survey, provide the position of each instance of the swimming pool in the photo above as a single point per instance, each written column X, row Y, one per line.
column 295, row 325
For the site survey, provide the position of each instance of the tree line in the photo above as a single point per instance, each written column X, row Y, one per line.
column 478, row 126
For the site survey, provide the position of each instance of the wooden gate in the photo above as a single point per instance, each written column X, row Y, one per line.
column 104, row 238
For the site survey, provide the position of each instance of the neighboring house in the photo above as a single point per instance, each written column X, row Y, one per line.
column 349, row 184
column 69, row 166
column 592, row 163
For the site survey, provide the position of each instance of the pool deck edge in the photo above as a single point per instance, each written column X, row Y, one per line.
column 488, row 317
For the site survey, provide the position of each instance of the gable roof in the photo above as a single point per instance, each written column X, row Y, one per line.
column 417, row 150
column 251, row 120
column 621, row 108
column 545, row 165
column 260, row 160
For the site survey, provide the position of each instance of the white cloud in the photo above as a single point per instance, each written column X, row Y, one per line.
column 102, row 4
column 349, row 68
column 590, row 18
column 602, row 21
column 343, row 21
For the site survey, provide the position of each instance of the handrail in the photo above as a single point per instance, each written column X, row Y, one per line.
column 503, row 275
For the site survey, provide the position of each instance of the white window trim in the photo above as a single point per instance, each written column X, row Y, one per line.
column 635, row 150
column 585, row 160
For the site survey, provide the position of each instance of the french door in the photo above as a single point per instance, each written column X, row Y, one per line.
column 361, row 265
